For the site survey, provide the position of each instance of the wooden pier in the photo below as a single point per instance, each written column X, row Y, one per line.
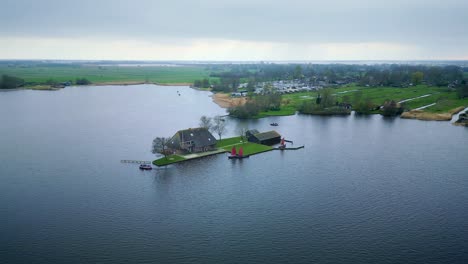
column 279, row 148
column 136, row 161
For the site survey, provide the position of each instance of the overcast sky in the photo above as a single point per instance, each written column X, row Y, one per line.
column 234, row 30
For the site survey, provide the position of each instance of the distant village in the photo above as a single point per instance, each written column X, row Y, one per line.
column 289, row 86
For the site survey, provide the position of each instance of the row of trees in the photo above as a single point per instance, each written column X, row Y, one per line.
column 403, row 75
column 82, row 81
column 373, row 75
column 204, row 83
column 10, row 82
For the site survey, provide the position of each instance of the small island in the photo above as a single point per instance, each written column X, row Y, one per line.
column 194, row 143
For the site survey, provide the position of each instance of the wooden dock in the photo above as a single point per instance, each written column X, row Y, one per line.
column 278, row 148
column 136, row 161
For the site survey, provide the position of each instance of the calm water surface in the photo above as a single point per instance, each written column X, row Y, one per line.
column 363, row 190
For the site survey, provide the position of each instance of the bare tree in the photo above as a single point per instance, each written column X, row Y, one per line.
column 160, row 145
column 205, row 122
column 241, row 132
column 219, row 126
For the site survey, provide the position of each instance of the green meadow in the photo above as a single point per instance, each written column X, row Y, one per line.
column 106, row 74
column 445, row 99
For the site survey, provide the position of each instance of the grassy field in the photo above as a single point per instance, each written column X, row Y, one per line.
column 445, row 100
column 107, row 74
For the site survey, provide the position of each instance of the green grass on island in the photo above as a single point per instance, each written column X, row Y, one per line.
column 168, row 160
column 249, row 148
column 223, row 145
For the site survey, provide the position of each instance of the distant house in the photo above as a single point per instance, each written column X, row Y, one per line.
column 265, row 138
column 192, row 140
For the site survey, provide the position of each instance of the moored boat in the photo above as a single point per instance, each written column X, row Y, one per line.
column 145, row 167
column 234, row 155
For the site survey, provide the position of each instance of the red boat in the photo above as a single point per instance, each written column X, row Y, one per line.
column 234, row 155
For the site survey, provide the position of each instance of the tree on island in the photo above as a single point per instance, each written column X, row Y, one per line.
column 160, row 145
column 205, row 122
column 327, row 98
column 241, row 131
column 392, row 108
column 219, row 126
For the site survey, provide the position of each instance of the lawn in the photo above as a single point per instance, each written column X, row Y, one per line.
column 249, row 148
column 168, row 160
column 447, row 103
column 228, row 142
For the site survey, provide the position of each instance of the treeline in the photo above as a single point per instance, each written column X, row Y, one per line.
column 405, row 75
column 204, row 83
column 462, row 89
column 396, row 75
column 10, row 82
column 257, row 104
column 82, row 81
column 78, row 81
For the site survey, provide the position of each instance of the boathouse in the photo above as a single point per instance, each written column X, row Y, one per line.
column 265, row 138
column 192, row 140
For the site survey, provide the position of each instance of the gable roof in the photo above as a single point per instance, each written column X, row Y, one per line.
column 267, row 135
column 200, row 137
column 252, row 132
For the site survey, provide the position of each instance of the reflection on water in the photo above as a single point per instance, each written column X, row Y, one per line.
column 364, row 189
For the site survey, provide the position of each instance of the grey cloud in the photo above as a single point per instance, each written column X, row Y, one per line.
column 416, row 22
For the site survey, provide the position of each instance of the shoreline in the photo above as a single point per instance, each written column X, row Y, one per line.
column 226, row 101
column 427, row 116
column 126, row 83
column 123, row 83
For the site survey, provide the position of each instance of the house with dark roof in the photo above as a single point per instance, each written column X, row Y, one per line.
column 192, row 140
column 265, row 138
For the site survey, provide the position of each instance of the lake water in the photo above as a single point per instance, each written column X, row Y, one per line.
column 363, row 190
